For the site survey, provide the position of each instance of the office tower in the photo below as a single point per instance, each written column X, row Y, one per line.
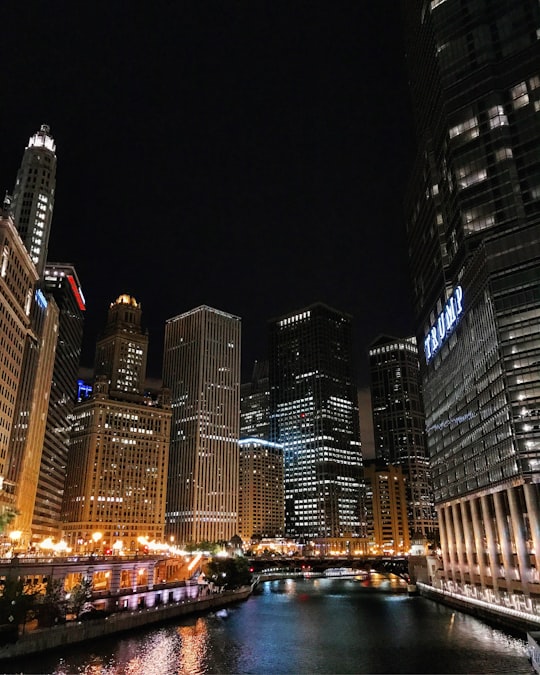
column 261, row 506
column 33, row 195
column 314, row 416
column 202, row 370
column 387, row 506
column 60, row 282
column 17, row 279
column 122, row 349
column 119, row 448
column 255, row 404
column 399, row 424
column 473, row 214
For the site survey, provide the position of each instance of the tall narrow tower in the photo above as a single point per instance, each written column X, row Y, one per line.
column 122, row 349
column 202, row 370
column 33, row 195
column 314, row 416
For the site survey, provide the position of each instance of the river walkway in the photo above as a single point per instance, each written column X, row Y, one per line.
column 42, row 639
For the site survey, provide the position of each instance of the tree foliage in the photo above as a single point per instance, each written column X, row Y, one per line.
column 229, row 572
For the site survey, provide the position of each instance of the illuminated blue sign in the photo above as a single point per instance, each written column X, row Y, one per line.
column 84, row 390
column 445, row 324
column 40, row 299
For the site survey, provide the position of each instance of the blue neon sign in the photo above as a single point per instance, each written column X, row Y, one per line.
column 445, row 324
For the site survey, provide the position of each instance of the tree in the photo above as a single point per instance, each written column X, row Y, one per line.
column 52, row 605
column 7, row 515
column 80, row 595
column 229, row 572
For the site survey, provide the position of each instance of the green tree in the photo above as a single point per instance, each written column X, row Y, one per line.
column 229, row 572
column 80, row 595
column 7, row 515
column 52, row 605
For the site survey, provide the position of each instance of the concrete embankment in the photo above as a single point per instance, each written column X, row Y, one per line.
column 504, row 618
column 43, row 639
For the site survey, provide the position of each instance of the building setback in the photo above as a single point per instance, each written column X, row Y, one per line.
column 255, row 404
column 473, row 219
column 314, row 416
column 202, row 370
column 399, row 424
column 119, row 449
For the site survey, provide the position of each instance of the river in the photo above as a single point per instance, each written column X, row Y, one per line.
column 302, row 626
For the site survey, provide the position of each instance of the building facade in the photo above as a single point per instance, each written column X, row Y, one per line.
column 201, row 368
column 261, row 506
column 18, row 277
column 314, row 416
column 387, row 508
column 33, row 195
column 114, row 497
column 474, row 240
column 60, row 282
column 255, row 404
column 399, row 424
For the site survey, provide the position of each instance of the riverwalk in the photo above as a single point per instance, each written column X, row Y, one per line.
column 43, row 639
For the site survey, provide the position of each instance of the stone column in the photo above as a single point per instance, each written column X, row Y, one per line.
column 441, row 517
column 491, row 542
column 532, row 499
column 505, row 541
column 451, row 541
column 518, row 527
column 479, row 541
column 458, row 534
column 469, row 544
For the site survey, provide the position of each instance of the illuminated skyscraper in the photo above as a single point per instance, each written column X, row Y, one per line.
column 119, row 447
column 314, row 416
column 474, row 241
column 17, row 279
column 202, row 370
column 62, row 283
column 33, row 195
column 255, row 404
column 121, row 351
column 399, row 424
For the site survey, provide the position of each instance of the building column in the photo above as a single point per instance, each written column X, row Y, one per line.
column 441, row 518
column 518, row 528
column 505, row 541
column 478, row 541
column 458, row 535
column 494, row 563
column 532, row 500
column 451, row 541
column 469, row 543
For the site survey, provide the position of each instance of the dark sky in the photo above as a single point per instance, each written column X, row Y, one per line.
column 247, row 155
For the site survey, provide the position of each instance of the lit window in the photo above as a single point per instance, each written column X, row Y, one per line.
column 497, row 118
column 519, row 95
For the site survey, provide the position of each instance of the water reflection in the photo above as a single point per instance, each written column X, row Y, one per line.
column 296, row 627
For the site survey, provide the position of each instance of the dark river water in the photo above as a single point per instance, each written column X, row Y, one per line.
column 303, row 626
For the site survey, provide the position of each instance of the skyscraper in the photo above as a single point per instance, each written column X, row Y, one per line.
column 314, row 416
column 62, row 283
column 119, row 446
column 17, row 279
column 202, row 370
column 261, row 508
column 474, row 239
column 33, row 195
column 121, row 352
column 399, row 424
column 255, row 404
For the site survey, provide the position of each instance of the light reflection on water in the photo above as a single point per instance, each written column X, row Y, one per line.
column 296, row 627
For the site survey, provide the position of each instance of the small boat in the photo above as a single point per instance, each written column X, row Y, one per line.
column 222, row 614
column 333, row 572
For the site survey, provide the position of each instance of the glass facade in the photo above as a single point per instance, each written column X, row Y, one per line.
column 473, row 216
column 399, row 424
column 314, row 416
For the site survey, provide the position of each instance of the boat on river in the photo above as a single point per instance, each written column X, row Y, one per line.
column 333, row 572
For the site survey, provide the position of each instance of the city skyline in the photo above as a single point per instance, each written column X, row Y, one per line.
column 258, row 143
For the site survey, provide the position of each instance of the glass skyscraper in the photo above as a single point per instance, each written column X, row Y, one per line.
column 473, row 214
column 314, row 416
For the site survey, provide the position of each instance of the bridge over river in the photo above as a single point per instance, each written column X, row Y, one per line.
column 398, row 565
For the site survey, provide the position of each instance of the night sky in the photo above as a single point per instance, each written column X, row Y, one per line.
column 247, row 155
